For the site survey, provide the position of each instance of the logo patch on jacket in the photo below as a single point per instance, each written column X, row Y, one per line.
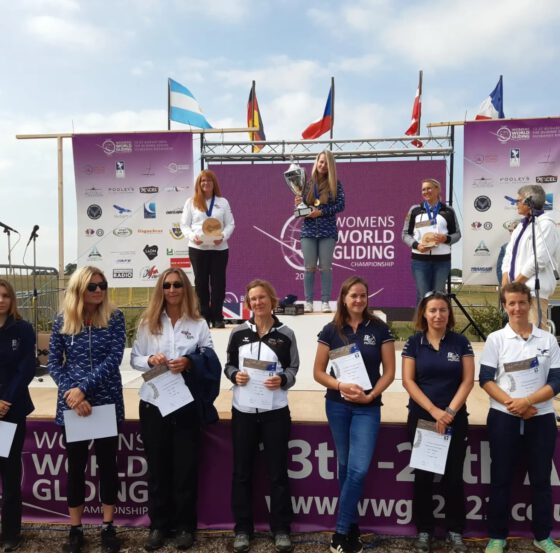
column 453, row 357
column 369, row 340
column 188, row 334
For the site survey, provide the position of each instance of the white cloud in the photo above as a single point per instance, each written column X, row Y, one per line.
column 219, row 10
column 142, row 68
column 65, row 32
column 50, row 5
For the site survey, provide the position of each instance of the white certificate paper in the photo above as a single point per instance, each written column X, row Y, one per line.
column 522, row 378
column 255, row 394
column 349, row 367
column 7, row 433
column 430, row 449
column 164, row 389
column 102, row 423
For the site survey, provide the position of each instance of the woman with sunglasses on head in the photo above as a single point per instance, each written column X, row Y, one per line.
column 438, row 374
column 354, row 413
column 263, row 339
column 172, row 333
column 430, row 229
column 207, row 223
column 17, row 368
column 85, row 353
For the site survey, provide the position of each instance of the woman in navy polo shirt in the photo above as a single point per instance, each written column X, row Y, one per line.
column 353, row 413
column 438, row 374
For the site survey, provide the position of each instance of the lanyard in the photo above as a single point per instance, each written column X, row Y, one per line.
column 209, row 210
column 432, row 214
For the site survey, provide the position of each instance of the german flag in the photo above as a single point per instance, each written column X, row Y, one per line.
column 254, row 120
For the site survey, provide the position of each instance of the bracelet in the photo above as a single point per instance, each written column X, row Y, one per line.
column 338, row 387
column 452, row 412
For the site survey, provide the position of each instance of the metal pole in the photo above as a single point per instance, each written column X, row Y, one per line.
column 59, row 144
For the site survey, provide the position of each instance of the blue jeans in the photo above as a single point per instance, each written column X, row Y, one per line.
column 354, row 429
column 322, row 250
column 430, row 275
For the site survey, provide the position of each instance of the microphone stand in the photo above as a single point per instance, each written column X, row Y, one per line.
column 8, row 232
column 40, row 370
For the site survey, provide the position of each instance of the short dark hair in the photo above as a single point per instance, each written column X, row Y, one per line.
column 514, row 288
column 420, row 322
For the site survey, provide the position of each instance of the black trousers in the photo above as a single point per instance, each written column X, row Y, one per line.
column 171, row 446
column 106, row 457
column 272, row 428
column 452, row 482
column 209, row 268
column 10, row 469
column 510, row 439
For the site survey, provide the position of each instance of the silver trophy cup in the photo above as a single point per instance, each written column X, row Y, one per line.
column 295, row 179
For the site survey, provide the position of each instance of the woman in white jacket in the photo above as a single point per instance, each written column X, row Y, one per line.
column 207, row 223
column 519, row 260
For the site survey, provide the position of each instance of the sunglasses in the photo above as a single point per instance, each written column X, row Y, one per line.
column 168, row 285
column 93, row 286
column 433, row 293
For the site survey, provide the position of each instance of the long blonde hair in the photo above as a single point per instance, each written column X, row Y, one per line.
column 199, row 200
column 326, row 186
column 189, row 306
column 73, row 304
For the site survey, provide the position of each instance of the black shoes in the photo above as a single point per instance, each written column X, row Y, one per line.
column 109, row 541
column 11, row 544
column 75, row 541
column 155, row 540
column 183, row 539
column 219, row 324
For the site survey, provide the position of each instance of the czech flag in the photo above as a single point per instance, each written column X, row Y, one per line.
column 254, row 120
column 493, row 106
column 315, row 130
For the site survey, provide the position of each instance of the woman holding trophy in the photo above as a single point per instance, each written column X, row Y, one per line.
column 207, row 223
column 325, row 196
column 430, row 229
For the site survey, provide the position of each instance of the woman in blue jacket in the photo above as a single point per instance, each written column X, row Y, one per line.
column 85, row 353
column 17, row 368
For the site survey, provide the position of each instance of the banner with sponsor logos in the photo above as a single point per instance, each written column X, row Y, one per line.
column 500, row 157
column 130, row 192
column 385, row 508
column 266, row 240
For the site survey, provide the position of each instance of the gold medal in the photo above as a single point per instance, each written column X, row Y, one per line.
column 317, row 202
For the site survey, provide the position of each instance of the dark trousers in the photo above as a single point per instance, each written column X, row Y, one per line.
column 10, row 469
column 451, row 482
column 106, row 457
column 511, row 437
column 209, row 267
column 272, row 428
column 171, row 447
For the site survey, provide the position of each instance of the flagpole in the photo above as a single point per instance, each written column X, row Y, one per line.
column 420, row 76
column 253, row 116
column 168, row 105
column 332, row 109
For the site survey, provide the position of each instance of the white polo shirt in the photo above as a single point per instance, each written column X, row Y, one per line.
column 540, row 351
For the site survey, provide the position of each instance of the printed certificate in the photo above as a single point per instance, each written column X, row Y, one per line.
column 522, row 378
column 255, row 394
column 349, row 367
column 430, row 448
column 102, row 423
column 7, row 433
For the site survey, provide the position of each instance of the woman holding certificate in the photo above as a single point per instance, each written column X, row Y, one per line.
column 262, row 362
column 438, row 374
column 85, row 353
column 17, row 368
column 353, row 410
column 520, row 371
column 175, row 341
column 430, row 229
column 207, row 223
column 319, row 233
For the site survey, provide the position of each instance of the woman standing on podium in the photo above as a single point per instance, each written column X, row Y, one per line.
column 353, row 410
column 85, row 354
column 319, row 233
column 17, row 368
column 207, row 223
column 438, row 374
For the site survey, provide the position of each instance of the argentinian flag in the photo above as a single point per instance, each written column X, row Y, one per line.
column 184, row 108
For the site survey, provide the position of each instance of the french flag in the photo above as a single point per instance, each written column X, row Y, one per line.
column 493, row 106
column 315, row 130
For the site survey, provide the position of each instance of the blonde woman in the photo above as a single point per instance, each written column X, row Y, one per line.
column 85, row 353
column 209, row 258
column 319, row 234
column 173, row 333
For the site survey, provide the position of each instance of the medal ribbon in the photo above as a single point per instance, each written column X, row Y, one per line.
column 432, row 213
column 209, row 210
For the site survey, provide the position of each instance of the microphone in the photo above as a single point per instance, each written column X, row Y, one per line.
column 33, row 234
column 7, row 228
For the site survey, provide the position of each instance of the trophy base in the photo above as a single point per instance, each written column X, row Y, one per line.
column 302, row 211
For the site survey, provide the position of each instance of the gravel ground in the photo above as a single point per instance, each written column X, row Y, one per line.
column 50, row 539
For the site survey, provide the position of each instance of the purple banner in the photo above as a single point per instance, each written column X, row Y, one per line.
column 266, row 241
column 386, row 507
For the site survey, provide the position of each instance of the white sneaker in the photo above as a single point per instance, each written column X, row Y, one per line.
column 308, row 307
column 326, row 307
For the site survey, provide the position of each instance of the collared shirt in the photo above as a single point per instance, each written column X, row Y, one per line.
column 369, row 337
column 506, row 346
column 438, row 373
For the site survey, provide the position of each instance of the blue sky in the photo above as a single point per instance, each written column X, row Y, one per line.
column 92, row 65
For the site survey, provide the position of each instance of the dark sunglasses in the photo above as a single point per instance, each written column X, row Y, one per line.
column 93, row 286
column 168, row 285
